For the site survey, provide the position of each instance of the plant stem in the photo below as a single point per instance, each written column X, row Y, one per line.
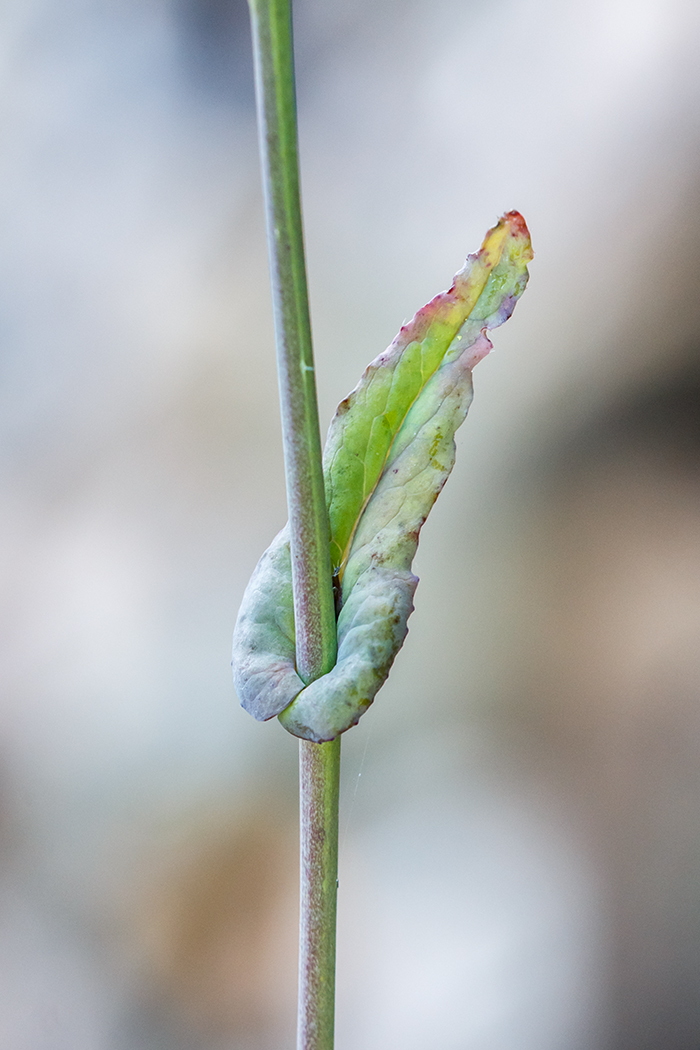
column 314, row 609
column 319, row 771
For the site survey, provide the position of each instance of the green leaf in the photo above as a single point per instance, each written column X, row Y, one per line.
column 389, row 451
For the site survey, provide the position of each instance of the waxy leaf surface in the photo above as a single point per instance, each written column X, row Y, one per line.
column 389, row 451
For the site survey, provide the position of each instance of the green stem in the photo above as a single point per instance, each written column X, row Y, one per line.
column 314, row 610
column 308, row 517
column 319, row 771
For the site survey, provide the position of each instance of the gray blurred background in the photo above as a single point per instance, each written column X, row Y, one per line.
column 520, row 844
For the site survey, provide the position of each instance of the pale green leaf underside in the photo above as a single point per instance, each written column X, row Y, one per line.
column 389, row 451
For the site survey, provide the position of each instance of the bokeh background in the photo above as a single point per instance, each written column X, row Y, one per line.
column 520, row 844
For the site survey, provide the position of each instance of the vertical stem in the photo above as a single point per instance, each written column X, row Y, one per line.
column 319, row 770
column 314, row 610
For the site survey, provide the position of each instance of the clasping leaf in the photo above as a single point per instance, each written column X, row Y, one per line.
column 389, row 451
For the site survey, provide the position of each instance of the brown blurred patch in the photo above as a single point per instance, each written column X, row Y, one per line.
column 218, row 928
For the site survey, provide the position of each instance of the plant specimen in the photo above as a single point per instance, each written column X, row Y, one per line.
column 326, row 610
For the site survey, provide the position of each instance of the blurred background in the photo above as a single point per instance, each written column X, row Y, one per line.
column 520, row 844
